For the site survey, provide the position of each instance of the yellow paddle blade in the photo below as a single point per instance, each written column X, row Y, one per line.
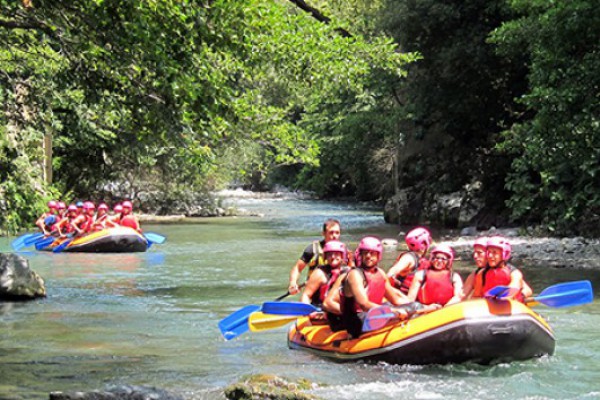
column 259, row 321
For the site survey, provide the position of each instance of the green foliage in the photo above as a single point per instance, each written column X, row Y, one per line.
column 555, row 172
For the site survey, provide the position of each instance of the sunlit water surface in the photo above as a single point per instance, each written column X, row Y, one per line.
column 151, row 319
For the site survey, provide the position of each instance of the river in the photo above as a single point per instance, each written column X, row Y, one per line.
column 151, row 319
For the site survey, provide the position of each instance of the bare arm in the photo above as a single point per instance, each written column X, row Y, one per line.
column 317, row 278
column 356, row 287
column 294, row 275
column 403, row 267
column 469, row 285
column 415, row 286
column 458, row 289
column 394, row 296
column 332, row 302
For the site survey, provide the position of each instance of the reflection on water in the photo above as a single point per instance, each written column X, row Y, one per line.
column 151, row 319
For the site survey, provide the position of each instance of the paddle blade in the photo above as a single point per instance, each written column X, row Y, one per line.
column 288, row 308
column 501, row 292
column 62, row 246
column 33, row 239
column 566, row 294
column 24, row 240
column 43, row 243
column 377, row 318
column 259, row 321
column 236, row 323
column 154, row 237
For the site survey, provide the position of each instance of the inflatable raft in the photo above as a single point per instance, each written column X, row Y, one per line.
column 481, row 331
column 110, row 240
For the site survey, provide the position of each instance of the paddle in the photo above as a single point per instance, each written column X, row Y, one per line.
column 153, row 237
column 44, row 242
column 378, row 317
column 24, row 240
column 62, row 246
column 236, row 323
column 259, row 321
column 288, row 308
column 560, row 295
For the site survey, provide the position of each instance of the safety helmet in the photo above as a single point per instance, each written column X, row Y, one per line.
column 335, row 245
column 62, row 205
column 88, row 205
column 481, row 241
column 368, row 243
column 118, row 208
column 79, row 204
column 501, row 243
column 418, row 239
column 52, row 204
column 72, row 207
column 102, row 206
column 127, row 204
column 446, row 250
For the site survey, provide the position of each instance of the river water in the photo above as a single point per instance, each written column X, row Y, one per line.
column 150, row 319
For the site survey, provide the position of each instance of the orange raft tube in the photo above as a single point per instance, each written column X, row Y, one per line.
column 110, row 240
column 480, row 331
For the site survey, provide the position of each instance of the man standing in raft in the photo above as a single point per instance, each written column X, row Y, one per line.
column 313, row 254
column 402, row 272
column 499, row 273
column 438, row 285
column 362, row 288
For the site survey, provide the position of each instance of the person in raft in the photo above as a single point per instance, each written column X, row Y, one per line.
column 101, row 218
column 363, row 288
column 48, row 219
column 64, row 227
column 438, row 285
column 127, row 218
column 499, row 272
column 82, row 224
column 403, row 271
column 115, row 219
column 480, row 258
column 313, row 254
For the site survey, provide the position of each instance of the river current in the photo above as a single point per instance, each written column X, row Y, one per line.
column 150, row 319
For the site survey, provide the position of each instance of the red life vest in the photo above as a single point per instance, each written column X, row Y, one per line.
column 436, row 288
column 331, row 274
column 374, row 282
column 487, row 278
column 129, row 221
column 403, row 282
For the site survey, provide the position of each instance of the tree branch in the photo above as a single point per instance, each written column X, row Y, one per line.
column 316, row 14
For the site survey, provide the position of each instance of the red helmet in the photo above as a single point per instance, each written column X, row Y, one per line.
column 368, row 243
column 52, row 204
column 62, row 205
column 501, row 243
column 102, row 206
column 127, row 204
column 418, row 239
column 88, row 205
column 72, row 207
column 118, row 208
column 334, row 245
column 445, row 250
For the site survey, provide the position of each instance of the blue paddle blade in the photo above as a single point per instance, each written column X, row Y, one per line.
column 155, row 237
column 237, row 323
column 22, row 241
column 43, row 243
column 33, row 239
column 377, row 318
column 567, row 294
column 62, row 246
column 501, row 292
column 288, row 308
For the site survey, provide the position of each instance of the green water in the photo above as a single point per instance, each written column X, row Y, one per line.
column 151, row 319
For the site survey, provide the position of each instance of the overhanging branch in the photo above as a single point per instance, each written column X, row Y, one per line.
column 316, row 14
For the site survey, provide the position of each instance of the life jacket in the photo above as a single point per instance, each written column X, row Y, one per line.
column 100, row 223
column 374, row 282
column 129, row 221
column 66, row 226
column 332, row 275
column 318, row 256
column 487, row 278
column 403, row 282
column 436, row 288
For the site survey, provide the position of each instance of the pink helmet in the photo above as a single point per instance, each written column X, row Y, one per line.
column 335, row 245
column 62, row 205
column 102, row 206
column 88, row 205
column 127, row 204
column 72, row 207
column 446, row 250
column 118, row 208
column 368, row 243
column 52, row 204
column 481, row 241
column 418, row 239
column 501, row 243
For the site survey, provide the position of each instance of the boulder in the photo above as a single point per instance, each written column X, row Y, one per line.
column 268, row 387
column 17, row 280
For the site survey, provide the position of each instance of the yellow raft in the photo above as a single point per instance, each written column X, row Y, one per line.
column 480, row 331
column 111, row 240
